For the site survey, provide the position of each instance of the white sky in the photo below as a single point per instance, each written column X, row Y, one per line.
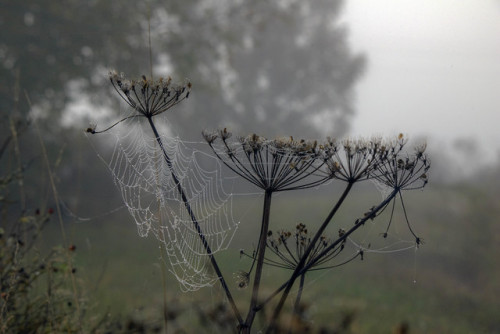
column 433, row 68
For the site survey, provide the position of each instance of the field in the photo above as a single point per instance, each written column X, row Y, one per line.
column 448, row 285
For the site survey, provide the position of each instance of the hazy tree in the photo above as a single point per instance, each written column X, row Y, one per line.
column 275, row 68
column 279, row 67
column 45, row 44
column 272, row 65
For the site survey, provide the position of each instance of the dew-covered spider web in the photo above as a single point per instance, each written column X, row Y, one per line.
column 146, row 182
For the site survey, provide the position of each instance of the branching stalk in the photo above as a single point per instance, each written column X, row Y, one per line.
column 296, row 273
column 287, row 286
column 358, row 224
column 296, row 306
column 307, row 267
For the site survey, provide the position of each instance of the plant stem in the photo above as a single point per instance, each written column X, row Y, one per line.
column 296, row 306
column 260, row 262
column 325, row 251
column 164, row 288
column 358, row 224
column 59, row 216
column 197, row 225
column 304, row 257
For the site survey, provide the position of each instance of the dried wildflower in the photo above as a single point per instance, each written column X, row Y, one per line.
column 400, row 171
column 146, row 96
column 289, row 247
column 210, row 136
column 149, row 97
column 353, row 159
column 273, row 165
column 341, row 232
column 242, row 279
column 224, row 134
column 420, row 149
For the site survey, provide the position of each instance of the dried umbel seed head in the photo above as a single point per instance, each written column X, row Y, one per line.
column 290, row 247
column 274, row 165
column 147, row 96
column 401, row 140
column 400, row 171
column 242, row 279
column 352, row 160
column 403, row 171
column 253, row 143
column 284, row 143
column 331, row 142
column 420, row 149
column 210, row 136
column 224, row 134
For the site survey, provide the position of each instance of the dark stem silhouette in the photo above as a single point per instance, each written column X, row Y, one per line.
column 197, row 225
column 260, row 261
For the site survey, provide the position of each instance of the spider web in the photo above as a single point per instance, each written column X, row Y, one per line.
column 153, row 199
column 382, row 188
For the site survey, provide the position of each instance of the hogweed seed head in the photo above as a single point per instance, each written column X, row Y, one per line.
column 149, row 97
column 224, row 134
column 353, row 159
column 400, row 171
column 273, row 165
column 289, row 248
column 146, row 96
column 210, row 136
column 242, row 279
column 403, row 171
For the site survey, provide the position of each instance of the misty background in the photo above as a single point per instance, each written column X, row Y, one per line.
column 306, row 69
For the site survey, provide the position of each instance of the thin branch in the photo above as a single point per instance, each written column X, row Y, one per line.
column 300, row 265
column 288, row 285
column 296, row 306
column 5, row 145
column 93, row 131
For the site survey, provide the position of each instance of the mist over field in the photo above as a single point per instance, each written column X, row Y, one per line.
column 285, row 69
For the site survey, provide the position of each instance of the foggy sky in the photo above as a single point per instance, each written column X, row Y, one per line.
column 434, row 70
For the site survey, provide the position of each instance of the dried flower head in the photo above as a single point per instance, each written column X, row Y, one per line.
column 352, row 159
column 400, row 171
column 242, row 279
column 289, row 247
column 149, row 97
column 274, row 165
column 210, row 136
column 403, row 171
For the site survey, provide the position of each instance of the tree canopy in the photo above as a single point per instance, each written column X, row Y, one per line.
column 277, row 68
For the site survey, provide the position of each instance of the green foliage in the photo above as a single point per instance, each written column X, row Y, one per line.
column 38, row 286
column 36, row 290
